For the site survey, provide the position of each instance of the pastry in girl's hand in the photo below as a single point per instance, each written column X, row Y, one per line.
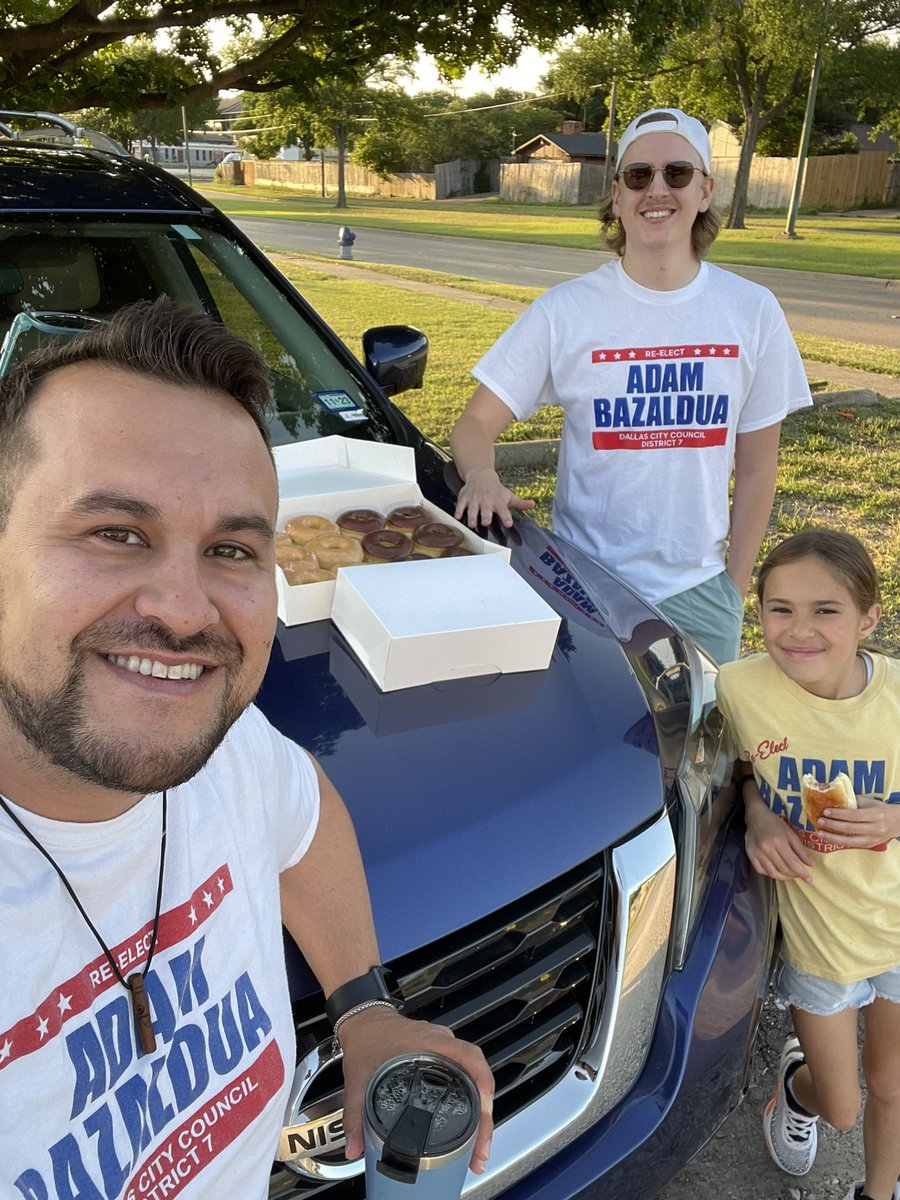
column 815, row 797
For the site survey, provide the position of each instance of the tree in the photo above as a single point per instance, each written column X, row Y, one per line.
column 436, row 127
column 158, row 126
column 329, row 115
column 71, row 54
column 583, row 73
column 870, row 74
column 749, row 62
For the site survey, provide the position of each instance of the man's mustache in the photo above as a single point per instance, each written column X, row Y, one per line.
column 104, row 636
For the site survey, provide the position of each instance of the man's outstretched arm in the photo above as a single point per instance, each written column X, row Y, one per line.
column 482, row 496
column 325, row 908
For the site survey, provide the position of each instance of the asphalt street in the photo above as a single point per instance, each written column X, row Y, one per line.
column 850, row 307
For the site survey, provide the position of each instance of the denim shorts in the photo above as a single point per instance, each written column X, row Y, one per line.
column 824, row 997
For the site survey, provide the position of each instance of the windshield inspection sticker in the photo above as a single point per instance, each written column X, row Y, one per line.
column 342, row 404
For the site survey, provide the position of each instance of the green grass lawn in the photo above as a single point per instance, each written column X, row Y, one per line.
column 844, row 245
column 838, row 468
column 459, row 333
column 861, row 355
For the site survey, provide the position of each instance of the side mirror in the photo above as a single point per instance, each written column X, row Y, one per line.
column 395, row 356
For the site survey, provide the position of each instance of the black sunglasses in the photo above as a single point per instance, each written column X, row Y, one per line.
column 637, row 176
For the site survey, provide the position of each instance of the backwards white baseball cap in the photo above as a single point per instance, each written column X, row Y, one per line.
column 668, row 120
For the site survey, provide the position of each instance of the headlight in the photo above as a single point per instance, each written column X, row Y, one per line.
column 679, row 682
column 705, row 768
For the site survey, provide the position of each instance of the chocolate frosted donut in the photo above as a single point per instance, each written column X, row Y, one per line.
column 357, row 522
column 458, row 552
column 434, row 538
column 386, row 545
column 407, row 518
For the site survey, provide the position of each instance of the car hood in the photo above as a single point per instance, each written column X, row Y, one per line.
column 467, row 794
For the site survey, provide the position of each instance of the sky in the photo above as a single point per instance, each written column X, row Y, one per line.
column 523, row 77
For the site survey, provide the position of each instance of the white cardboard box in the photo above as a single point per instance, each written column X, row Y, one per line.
column 328, row 475
column 415, row 623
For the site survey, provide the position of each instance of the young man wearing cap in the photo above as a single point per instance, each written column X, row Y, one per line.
column 672, row 374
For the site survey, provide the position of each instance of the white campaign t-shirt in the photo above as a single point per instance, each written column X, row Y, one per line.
column 84, row 1113
column 655, row 387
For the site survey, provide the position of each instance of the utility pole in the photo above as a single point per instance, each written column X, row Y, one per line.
column 610, row 126
column 790, row 229
column 187, row 148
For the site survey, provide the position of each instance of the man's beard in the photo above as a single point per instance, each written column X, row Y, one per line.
column 56, row 725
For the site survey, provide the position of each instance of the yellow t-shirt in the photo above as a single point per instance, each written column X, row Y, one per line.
column 845, row 925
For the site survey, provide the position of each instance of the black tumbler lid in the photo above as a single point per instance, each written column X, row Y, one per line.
column 421, row 1108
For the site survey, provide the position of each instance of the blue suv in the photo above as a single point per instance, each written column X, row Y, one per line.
column 555, row 857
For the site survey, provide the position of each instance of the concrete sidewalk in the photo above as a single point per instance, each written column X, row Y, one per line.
column 836, row 380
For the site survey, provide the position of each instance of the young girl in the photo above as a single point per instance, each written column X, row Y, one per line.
column 817, row 703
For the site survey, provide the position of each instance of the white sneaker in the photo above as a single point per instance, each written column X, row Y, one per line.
column 791, row 1138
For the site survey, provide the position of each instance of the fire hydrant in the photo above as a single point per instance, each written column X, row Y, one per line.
column 346, row 238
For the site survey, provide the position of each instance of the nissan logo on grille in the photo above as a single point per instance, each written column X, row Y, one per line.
column 312, row 1136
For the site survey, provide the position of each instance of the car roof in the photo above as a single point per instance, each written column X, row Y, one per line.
column 38, row 179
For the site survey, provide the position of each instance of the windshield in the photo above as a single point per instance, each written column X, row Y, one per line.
column 90, row 269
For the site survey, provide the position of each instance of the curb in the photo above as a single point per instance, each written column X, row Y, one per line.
column 546, row 453
column 854, row 397
column 527, row 454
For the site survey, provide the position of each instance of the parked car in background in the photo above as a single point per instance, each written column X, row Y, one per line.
column 555, row 857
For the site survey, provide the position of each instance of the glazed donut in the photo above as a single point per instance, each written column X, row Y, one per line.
column 357, row 522
column 304, row 528
column 434, row 538
column 282, row 539
column 296, row 554
column 298, row 573
column 386, row 545
column 335, row 551
column 407, row 518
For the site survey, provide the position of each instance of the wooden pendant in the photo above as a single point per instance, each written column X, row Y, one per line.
column 141, row 1009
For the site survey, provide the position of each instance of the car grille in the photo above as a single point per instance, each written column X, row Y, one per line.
column 521, row 983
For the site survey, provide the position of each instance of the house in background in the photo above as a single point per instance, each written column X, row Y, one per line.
column 878, row 141
column 572, row 144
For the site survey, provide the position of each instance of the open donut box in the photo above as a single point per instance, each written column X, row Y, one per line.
column 409, row 623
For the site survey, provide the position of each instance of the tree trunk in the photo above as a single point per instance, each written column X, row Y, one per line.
column 742, row 180
column 341, row 140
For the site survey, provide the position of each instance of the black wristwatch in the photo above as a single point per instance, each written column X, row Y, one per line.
column 377, row 984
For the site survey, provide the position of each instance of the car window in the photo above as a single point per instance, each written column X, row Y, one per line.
column 93, row 268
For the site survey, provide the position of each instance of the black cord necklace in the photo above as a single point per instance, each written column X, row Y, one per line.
column 134, row 984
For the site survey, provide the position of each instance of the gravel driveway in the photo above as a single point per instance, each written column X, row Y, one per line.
column 735, row 1165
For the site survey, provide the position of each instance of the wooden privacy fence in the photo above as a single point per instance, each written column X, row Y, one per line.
column 466, row 177
column 831, row 181
column 846, row 180
column 458, row 178
column 310, row 177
